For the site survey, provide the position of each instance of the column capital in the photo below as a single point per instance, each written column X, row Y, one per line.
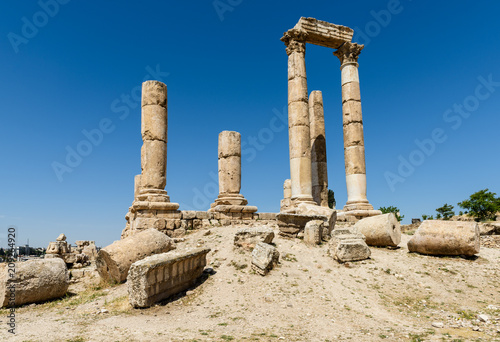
column 348, row 53
column 295, row 41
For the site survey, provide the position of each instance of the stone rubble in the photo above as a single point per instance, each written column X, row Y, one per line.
column 264, row 258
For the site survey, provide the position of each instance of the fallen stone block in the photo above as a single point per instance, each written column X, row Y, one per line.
column 489, row 228
column 290, row 225
column 113, row 262
column 436, row 237
column 160, row 276
column 264, row 258
column 248, row 237
column 313, row 232
column 33, row 281
column 346, row 245
column 381, row 230
column 330, row 214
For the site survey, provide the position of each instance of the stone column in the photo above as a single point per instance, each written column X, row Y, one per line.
column 230, row 199
column 298, row 117
column 154, row 122
column 318, row 149
column 354, row 147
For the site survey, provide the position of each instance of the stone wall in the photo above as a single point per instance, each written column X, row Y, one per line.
column 179, row 223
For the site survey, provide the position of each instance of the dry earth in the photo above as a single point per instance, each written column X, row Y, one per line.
column 394, row 296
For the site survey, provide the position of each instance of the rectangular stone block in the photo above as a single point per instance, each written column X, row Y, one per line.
column 160, row 276
column 325, row 34
column 188, row 215
column 267, row 216
column 201, row 215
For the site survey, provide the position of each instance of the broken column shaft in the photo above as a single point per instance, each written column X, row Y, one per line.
column 318, row 149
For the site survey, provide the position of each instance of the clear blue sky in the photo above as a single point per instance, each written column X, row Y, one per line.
column 228, row 71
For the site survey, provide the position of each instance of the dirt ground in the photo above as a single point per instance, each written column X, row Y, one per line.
column 394, row 296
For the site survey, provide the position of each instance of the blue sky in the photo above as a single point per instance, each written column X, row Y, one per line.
column 77, row 66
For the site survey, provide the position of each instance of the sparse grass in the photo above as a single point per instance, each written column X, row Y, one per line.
column 289, row 257
column 465, row 314
column 227, row 337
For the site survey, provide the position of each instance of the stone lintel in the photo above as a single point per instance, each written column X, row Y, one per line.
column 323, row 33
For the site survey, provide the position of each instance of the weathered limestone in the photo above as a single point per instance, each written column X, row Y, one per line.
column 264, row 258
column 382, row 230
column 298, row 117
column 113, row 262
column 74, row 258
column 247, row 238
column 230, row 199
column 152, row 207
column 160, row 276
column 354, row 147
column 323, row 33
column 347, row 245
column 88, row 248
column 435, row 237
column 59, row 247
column 313, row 232
column 286, row 202
column 318, row 149
column 34, row 281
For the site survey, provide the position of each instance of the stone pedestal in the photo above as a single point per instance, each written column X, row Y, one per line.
column 298, row 117
column 354, row 147
column 230, row 199
column 152, row 207
column 318, row 149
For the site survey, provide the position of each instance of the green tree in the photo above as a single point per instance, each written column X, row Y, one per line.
column 482, row 205
column 331, row 199
column 391, row 209
column 427, row 217
column 446, row 211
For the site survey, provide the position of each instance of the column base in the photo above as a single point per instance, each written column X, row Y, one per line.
column 356, row 215
column 152, row 209
column 358, row 205
column 231, row 203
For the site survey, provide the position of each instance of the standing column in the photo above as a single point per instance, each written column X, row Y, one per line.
column 298, row 117
column 354, row 147
column 154, row 148
column 318, row 149
column 230, row 199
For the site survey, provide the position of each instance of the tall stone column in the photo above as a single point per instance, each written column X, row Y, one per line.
column 354, row 147
column 318, row 149
column 152, row 207
column 298, row 117
column 230, row 199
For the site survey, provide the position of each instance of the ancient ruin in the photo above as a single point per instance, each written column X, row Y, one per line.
column 160, row 276
column 82, row 255
column 152, row 207
column 230, row 200
column 306, row 125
